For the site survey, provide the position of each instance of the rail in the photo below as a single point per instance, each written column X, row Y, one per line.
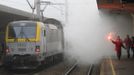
column 90, row 70
column 71, row 69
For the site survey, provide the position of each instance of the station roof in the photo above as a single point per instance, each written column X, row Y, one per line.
column 8, row 14
column 117, row 5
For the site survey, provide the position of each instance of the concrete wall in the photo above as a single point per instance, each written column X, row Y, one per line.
column 133, row 22
column 119, row 22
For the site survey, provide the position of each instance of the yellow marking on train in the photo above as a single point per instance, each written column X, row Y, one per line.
column 6, row 34
column 102, row 69
column 21, row 40
column 112, row 66
column 38, row 31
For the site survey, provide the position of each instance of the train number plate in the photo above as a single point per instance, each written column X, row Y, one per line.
column 22, row 49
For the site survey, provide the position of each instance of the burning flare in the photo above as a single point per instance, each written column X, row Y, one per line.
column 110, row 36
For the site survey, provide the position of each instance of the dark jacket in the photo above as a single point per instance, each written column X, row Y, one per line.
column 127, row 42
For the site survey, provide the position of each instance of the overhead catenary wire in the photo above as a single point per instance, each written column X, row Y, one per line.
column 50, row 3
column 55, row 3
column 46, row 3
column 42, row 10
column 58, row 5
column 32, row 7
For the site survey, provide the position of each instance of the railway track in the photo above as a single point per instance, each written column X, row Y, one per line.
column 4, row 71
column 59, row 69
column 80, row 70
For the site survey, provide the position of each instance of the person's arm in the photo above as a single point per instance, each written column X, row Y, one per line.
column 124, row 41
column 113, row 41
column 123, row 46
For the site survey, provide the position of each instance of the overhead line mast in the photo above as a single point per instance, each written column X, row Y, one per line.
column 39, row 11
column 37, row 4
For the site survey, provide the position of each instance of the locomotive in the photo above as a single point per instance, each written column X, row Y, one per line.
column 30, row 44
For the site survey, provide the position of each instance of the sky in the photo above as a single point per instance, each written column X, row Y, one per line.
column 59, row 10
column 87, row 28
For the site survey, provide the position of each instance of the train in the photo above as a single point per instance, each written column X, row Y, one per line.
column 30, row 44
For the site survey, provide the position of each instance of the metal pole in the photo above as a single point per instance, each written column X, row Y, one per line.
column 37, row 4
column 66, row 11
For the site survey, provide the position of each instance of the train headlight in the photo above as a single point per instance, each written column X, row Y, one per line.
column 37, row 50
column 7, row 50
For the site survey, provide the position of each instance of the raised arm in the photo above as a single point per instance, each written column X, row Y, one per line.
column 113, row 41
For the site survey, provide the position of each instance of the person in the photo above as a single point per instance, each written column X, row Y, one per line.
column 127, row 42
column 132, row 45
column 118, row 44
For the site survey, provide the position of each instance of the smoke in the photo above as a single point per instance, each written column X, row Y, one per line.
column 87, row 29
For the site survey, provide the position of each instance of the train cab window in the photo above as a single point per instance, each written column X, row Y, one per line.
column 18, row 31
column 11, row 33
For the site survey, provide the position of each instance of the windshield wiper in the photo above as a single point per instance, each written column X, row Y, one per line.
column 26, row 37
column 23, row 34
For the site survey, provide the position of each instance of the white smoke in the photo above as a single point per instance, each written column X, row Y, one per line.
column 87, row 28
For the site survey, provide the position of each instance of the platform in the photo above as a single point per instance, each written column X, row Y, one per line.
column 113, row 66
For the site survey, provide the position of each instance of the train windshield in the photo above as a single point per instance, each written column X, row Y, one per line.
column 22, row 30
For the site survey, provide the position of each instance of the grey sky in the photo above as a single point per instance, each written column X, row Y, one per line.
column 51, row 11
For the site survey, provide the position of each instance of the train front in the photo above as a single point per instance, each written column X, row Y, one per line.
column 22, row 45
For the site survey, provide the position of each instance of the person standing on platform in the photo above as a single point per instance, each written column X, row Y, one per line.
column 127, row 42
column 132, row 45
column 118, row 44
